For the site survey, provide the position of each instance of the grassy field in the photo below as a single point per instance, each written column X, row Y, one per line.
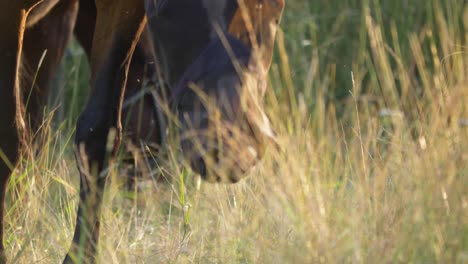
column 370, row 102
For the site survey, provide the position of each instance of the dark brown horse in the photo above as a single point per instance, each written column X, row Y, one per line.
column 214, row 55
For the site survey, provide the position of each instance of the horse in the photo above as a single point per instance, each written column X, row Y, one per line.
column 213, row 57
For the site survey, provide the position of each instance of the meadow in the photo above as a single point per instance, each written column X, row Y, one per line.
column 369, row 99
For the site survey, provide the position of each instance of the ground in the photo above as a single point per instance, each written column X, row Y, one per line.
column 369, row 100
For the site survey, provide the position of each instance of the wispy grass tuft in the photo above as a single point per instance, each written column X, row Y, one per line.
column 369, row 101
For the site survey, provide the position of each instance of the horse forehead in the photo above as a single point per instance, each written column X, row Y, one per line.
column 216, row 11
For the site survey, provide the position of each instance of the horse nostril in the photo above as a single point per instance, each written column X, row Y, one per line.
column 216, row 155
column 199, row 165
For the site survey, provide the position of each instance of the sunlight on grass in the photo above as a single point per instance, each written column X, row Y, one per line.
column 372, row 165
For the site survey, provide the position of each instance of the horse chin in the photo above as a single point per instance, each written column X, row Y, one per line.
column 223, row 157
column 227, row 170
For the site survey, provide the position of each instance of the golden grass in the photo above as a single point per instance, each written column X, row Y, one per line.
column 386, row 182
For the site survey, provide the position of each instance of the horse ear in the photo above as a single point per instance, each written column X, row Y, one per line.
column 151, row 7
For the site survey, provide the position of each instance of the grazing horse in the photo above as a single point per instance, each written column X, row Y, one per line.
column 214, row 56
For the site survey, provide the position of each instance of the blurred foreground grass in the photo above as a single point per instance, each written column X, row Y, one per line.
column 369, row 99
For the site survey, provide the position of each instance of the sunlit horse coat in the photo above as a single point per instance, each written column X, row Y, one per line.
column 181, row 32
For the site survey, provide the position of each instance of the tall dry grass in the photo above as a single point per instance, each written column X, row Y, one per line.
column 373, row 165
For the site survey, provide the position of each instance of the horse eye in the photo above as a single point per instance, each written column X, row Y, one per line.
column 184, row 101
column 181, row 102
column 259, row 37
